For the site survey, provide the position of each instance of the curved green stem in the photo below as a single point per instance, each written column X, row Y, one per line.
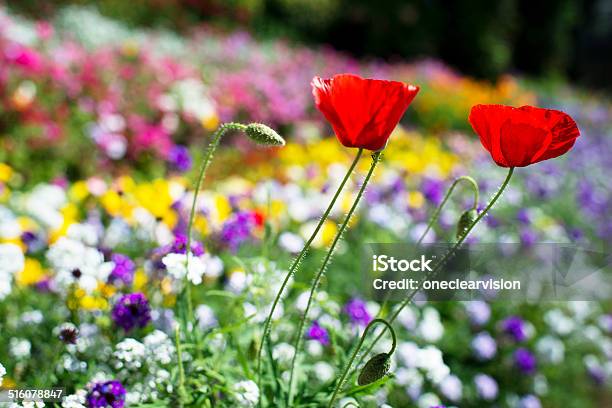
column 300, row 332
column 350, row 363
column 436, row 213
column 297, row 261
column 203, row 167
column 449, row 253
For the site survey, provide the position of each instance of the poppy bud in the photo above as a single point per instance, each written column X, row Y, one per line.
column 466, row 219
column 375, row 369
column 264, row 135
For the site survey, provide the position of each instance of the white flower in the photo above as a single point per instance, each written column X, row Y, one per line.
column 430, row 328
column 559, row 322
column 2, row 373
column 283, row 353
column 85, row 233
column 11, row 260
column 160, row 348
column 246, row 393
column 214, row 265
column 323, row 371
column 206, row 317
column 451, row 388
column 430, row 359
column 238, row 282
column 130, row 354
column 76, row 400
column 20, row 348
column 551, row 349
column 75, row 262
column 176, row 266
column 407, row 318
column 9, row 225
column 314, row 348
column 32, row 317
column 291, row 242
column 44, row 203
column 407, row 354
column 428, row 400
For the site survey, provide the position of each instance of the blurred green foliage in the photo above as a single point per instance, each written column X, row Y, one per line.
column 566, row 38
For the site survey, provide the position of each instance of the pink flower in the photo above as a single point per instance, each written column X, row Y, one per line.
column 26, row 58
column 44, row 30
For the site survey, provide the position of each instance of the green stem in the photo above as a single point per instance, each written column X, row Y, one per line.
column 319, row 275
column 297, row 261
column 436, row 213
column 179, row 354
column 350, row 363
column 203, row 167
column 449, row 253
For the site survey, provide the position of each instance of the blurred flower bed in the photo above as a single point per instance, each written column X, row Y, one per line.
column 87, row 94
column 92, row 226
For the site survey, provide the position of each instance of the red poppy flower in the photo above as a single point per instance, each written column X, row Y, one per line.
column 363, row 112
column 518, row 137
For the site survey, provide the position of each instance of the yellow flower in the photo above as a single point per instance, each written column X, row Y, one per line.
column 328, row 232
column 112, row 203
column 223, row 208
column 416, row 199
column 32, row 273
column 140, row 279
column 210, row 122
column 155, row 197
column 79, row 191
column 5, row 172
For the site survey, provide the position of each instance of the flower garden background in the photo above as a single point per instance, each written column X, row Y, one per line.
column 102, row 128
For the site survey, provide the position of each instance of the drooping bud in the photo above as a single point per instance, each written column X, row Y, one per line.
column 264, row 135
column 375, row 369
column 466, row 219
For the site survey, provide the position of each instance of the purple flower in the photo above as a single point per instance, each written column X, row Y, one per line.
column 605, row 321
column 486, row 387
column 238, row 229
column 597, row 373
column 123, row 271
column 525, row 360
column 478, row 311
column 523, row 217
column 180, row 158
column 357, row 312
column 132, row 310
column 106, row 394
column 528, row 237
column 484, row 346
column 180, row 245
column 318, row 333
column 530, row 401
column 433, row 190
column 515, row 327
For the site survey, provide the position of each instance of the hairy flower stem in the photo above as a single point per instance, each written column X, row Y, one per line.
column 446, row 256
column 300, row 332
column 188, row 317
column 297, row 261
column 352, row 359
column 436, row 213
